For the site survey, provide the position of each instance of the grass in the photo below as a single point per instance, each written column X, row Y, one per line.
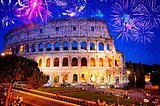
column 54, row 90
column 102, row 97
column 90, row 95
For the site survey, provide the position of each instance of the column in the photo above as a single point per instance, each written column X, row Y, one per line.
column 51, row 81
column 97, row 47
column 88, row 46
column 60, row 78
column 88, row 61
column 30, row 48
column 70, row 78
column 113, row 80
column 97, row 62
column 44, row 47
column 79, row 78
column 53, row 49
column 37, row 47
column 113, row 61
column 89, row 79
column 79, row 46
column 97, row 79
column 120, row 77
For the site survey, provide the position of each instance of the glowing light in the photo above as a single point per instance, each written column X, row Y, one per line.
column 98, row 13
column 143, row 34
column 7, row 8
column 2, row 54
column 71, row 8
column 34, row 9
column 151, row 13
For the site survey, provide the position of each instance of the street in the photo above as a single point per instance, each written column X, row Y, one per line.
column 37, row 100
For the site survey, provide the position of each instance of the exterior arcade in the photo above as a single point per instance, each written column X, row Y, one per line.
column 71, row 51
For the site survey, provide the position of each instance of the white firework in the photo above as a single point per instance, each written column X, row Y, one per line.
column 151, row 13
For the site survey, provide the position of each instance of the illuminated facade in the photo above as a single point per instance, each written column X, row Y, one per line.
column 70, row 51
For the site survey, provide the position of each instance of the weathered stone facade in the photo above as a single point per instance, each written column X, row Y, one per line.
column 70, row 51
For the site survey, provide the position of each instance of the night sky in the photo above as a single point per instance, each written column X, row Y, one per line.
column 134, row 24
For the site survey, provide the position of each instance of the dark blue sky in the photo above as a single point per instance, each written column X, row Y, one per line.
column 133, row 50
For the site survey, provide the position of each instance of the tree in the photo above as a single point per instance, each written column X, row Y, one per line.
column 140, row 76
column 36, row 80
column 131, row 75
column 155, row 79
column 16, row 68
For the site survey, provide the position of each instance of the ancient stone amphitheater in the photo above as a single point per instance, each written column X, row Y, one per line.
column 75, row 51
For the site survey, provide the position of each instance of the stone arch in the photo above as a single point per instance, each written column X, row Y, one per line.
column 41, row 47
column 65, row 61
column 101, row 64
column 83, row 61
column 21, row 48
column 55, row 78
column 40, row 62
column 109, row 62
column 17, row 49
column 101, row 78
column 83, row 78
column 65, row 45
column 101, row 46
column 48, row 62
column 65, row 78
column 108, row 46
column 92, row 62
column 116, row 62
column 27, row 48
column 34, row 47
column 74, row 61
column 75, row 78
column 57, row 46
column 49, row 46
column 92, row 46
column 93, row 78
column 74, row 45
column 56, row 62
column 84, row 45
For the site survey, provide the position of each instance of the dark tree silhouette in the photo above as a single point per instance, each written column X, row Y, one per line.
column 16, row 68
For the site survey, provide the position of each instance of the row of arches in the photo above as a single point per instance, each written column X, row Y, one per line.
column 84, row 78
column 57, row 45
column 74, row 62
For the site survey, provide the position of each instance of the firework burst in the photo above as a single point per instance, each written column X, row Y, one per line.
column 71, row 8
column 143, row 33
column 34, row 9
column 8, row 8
column 151, row 13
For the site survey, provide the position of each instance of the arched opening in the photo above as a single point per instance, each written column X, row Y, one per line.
column 65, row 61
column 21, row 49
column 57, row 46
column 101, row 46
column 83, row 61
column 83, row 78
column 48, row 62
column 116, row 62
column 40, row 47
column 74, row 61
column 49, row 46
column 93, row 78
column 56, row 78
column 27, row 48
column 40, row 63
column 65, row 78
column 17, row 49
column 101, row 62
column 74, row 45
column 108, row 46
column 65, row 46
column 34, row 48
column 109, row 62
column 84, row 45
column 92, row 62
column 117, row 79
column 75, row 78
column 92, row 46
column 56, row 62
column 101, row 78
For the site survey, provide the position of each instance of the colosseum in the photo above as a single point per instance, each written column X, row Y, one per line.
column 74, row 51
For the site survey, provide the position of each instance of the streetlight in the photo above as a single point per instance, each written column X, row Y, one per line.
column 2, row 54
